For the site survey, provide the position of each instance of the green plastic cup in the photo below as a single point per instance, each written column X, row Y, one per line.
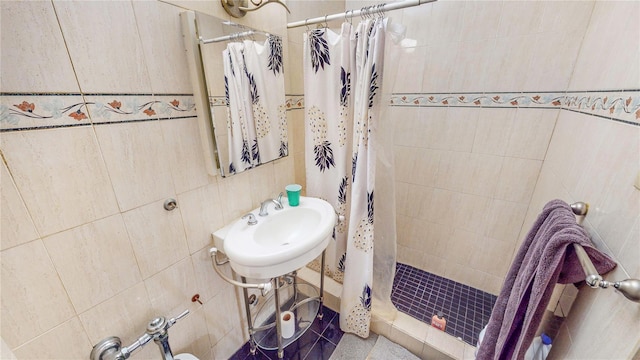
column 293, row 194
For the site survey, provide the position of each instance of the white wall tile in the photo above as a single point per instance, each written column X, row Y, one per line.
column 125, row 314
column 137, row 161
column 60, row 175
column 504, row 220
column 30, row 289
column 5, row 351
column 509, row 63
column 565, row 16
column 616, row 69
column 67, row 341
column 471, row 212
column 106, row 58
column 417, row 20
column 208, row 282
column 223, row 315
column 520, row 18
column 163, row 47
column 453, row 170
column 493, row 131
column 447, row 17
column 554, row 56
column 627, row 257
column 461, row 127
column 405, row 159
column 186, row 157
column 426, row 168
column 201, row 211
column 96, row 271
column 471, row 65
column 489, row 254
column 531, row 133
column 482, row 174
column 263, row 184
column 189, row 335
column 229, row 344
column 407, row 123
column 517, row 179
column 157, row 237
column 567, row 156
column 418, row 201
column 235, row 195
column 409, row 67
column 170, row 290
column 33, row 59
column 440, row 63
column 17, row 227
column 480, row 20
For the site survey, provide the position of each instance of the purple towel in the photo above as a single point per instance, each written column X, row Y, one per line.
column 545, row 258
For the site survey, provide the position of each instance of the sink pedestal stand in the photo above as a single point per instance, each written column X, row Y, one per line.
column 305, row 304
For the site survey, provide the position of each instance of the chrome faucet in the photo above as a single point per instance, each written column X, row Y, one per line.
column 265, row 205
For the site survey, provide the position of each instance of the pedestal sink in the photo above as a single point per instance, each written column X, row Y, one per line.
column 281, row 242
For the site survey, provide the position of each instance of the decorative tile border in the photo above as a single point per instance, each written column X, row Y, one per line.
column 622, row 106
column 217, row 101
column 20, row 111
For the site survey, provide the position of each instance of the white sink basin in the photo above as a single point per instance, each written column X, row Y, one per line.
column 281, row 242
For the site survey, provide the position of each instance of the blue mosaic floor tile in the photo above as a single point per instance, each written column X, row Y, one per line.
column 422, row 294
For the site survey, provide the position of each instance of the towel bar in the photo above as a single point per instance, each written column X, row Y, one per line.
column 630, row 288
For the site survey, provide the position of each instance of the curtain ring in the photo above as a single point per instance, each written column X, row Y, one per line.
column 326, row 24
column 362, row 13
column 347, row 18
column 306, row 23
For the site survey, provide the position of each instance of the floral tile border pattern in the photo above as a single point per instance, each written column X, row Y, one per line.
column 38, row 111
column 623, row 106
column 41, row 111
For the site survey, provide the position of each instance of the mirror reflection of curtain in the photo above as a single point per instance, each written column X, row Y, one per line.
column 256, row 109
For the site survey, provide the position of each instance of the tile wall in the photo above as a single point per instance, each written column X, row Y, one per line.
column 515, row 104
column 98, row 128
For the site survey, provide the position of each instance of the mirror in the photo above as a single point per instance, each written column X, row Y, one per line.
column 239, row 74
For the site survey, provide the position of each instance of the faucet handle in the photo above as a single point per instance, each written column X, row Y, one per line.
column 252, row 219
column 279, row 201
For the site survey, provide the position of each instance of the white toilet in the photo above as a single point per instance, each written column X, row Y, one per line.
column 185, row 356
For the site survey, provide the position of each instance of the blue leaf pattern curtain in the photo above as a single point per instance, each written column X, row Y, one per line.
column 256, row 108
column 343, row 73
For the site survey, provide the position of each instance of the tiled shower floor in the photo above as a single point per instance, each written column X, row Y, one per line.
column 422, row 294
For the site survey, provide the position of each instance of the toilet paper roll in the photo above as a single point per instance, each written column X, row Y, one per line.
column 288, row 324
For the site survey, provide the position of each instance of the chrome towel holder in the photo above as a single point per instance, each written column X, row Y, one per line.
column 630, row 288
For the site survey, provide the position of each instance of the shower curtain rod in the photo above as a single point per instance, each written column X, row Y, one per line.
column 362, row 12
column 232, row 36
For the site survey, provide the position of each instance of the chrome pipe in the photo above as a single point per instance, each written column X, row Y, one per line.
column 265, row 287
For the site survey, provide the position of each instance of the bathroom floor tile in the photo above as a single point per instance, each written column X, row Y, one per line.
column 421, row 294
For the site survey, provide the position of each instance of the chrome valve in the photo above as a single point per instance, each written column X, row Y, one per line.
column 111, row 348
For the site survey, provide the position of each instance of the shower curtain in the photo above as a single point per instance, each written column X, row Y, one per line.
column 256, row 109
column 343, row 104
